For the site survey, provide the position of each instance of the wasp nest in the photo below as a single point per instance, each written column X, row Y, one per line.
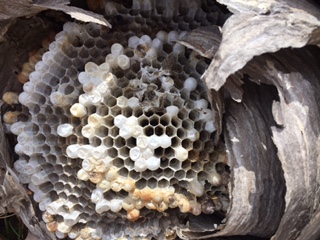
column 119, row 139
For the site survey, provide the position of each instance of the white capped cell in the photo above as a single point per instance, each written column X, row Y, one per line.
column 125, row 132
column 136, row 131
column 151, row 54
column 133, row 102
column 209, row 127
column 145, row 39
column 112, row 61
column 25, row 99
column 190, row 84
column 39, row 178
column 55, row 206
column 142, row 141
column 103, row 88
column 94, row 97
column 28, row 148
column 59, row 99
column 18, row 148
column 62, row 227
column 17, row 127
column 123, row 62
column 88, row 131
column 65, row 130
column 201, row 104
column 165, row 141
column 153, row 163
column 19, row 165
column 120, row 121
column 72, row 150
column 24, row 138
column 157, row 43
column 133, row 42
column 87, row 165
column 83, row 175
column 84, row 77
column 172, row 110
column 84, row 151
column 134, row 153
column 28, row 87
column 91, row 67
column 154, row 141
column 104, row 185
column 117, row 49
column 178, row 48
column 72, row 218
column 196, row 188
column 115, row 205
column 122, row 101
column 95, row 120
column 102, row 206
column 181, row 153
column 99, row 152
column 110, row 79
column 84, row 100
column 206, row 115
column 147, row 153
column 132, row 121
column 97, row 195
column 104, row 67
column 163, row 36
column 193, row 134
column 140, row 165
column 173, row 36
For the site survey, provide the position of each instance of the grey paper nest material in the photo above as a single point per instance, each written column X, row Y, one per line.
column 265, row 105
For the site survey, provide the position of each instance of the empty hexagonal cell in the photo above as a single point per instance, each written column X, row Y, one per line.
column 152, row 183
column 190, row 174
column 197, row 166
column 194, row 95
column 110, row 101
column 187, row 124
column 102, row 132
column 159, row 152
column 102, row 110
column 143, row 121
column 169, row 152
column 220, row 167
column 123, row 172
column 164, row 120
column 182, row 133
column 198, row 145
column 128, row 92
column 170, row 131
column 51, row 140
column 127, row 112
column 193, row 155
column 91, row 110
column 134, row 175
column 175, row 141
column 204, row 136
column 119, row 142
column 148, row 130
column 163, row 183
column 114, row 132
column 112, row 152
column 39, row 139
column 168, row 173
column 137, row 112
column 175, row 164
column 159, row 130
column 164, row 162
column 154, row 120
column 116, row 92
column 176, row 122
column 115, row 111
column 187, row 144
column 180, row 174
column 124, row 152
column 96, row 141
column 128, row 163
column 131, row 142
column 141, row 183
column 202, row 176
column 194, row 115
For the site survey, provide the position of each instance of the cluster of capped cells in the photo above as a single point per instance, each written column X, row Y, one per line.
column 119, row 138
